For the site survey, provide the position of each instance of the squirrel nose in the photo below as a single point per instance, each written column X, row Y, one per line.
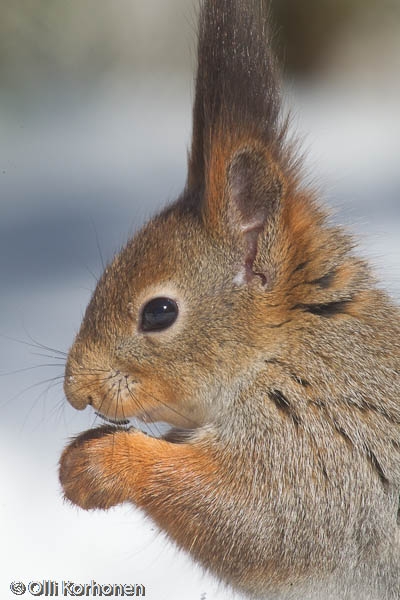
column 73, row 392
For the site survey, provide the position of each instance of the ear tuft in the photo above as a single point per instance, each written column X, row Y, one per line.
column 237, row 86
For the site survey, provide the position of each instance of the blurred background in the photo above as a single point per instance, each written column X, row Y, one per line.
column 95, row 108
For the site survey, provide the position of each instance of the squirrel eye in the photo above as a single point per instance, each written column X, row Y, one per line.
column 158, row 314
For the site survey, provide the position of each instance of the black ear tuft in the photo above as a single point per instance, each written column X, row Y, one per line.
column 236, row 85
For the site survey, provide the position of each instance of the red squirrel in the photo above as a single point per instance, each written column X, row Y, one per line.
column 242, row 317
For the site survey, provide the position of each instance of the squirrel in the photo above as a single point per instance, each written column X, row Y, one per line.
column 243, row 318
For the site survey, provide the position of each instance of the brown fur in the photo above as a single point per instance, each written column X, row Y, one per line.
column 280, row 375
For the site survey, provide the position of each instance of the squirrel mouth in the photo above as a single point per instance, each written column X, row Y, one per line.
column 174, row 435
column 118, row 422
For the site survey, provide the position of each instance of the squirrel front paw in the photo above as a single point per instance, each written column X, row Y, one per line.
column 93, row 468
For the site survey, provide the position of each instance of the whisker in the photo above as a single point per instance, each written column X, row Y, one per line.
column 98, row 247
column 44, row 346
column 57, row 408
column 98, row 413
column 116, row 407
column 48, row 356
column 95, row 277
column 23, row 370
column 88, row 388
column 171, row 408
column 35, row 402
column 35, row 344
column 91, row 370
column 57, row 380
column 143, row 410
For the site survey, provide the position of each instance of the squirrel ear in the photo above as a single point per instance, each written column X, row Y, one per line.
column 242, row 203
column 254, row 193
column 238, row 137
column 254, row 189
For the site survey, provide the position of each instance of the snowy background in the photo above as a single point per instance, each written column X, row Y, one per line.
column 82, row 165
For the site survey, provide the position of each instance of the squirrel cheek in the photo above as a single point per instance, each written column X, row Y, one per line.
column 155, row 401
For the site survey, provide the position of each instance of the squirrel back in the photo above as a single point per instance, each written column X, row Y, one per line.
column 242, row 317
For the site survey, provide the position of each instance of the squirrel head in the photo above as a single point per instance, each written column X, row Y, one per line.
column 175, row 317
column 205, row 294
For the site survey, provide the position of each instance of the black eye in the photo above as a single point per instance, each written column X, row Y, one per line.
column 158, row 314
